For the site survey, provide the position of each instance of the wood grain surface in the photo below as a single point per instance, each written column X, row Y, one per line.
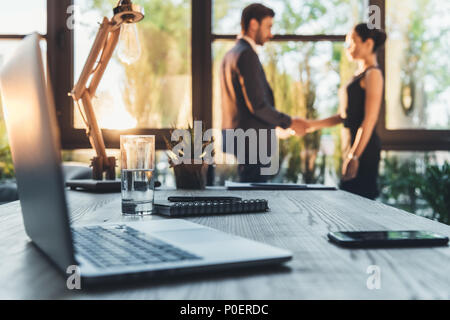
column 298, row 221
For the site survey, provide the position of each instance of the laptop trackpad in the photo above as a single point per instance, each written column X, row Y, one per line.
column 198, row 235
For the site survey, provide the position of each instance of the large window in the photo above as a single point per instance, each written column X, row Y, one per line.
column 33, row 19
column 305, row 72
column 149, row 96
column 417, row 64
column 183, row 40
column 416, row 113
column 154, row 91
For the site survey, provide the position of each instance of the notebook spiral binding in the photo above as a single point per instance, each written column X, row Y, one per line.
column 211, row 207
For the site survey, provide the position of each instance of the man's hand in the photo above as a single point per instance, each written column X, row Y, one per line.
column 284, row 134
column 300, row 126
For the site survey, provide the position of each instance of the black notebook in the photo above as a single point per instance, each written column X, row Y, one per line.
column 196, row 208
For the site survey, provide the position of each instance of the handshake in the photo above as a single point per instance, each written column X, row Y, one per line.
column 299, row 127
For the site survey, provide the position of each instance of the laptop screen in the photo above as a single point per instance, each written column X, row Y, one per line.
column 31, row 123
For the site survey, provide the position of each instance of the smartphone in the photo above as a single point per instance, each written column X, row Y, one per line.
column 387, row 239
column 196, row 199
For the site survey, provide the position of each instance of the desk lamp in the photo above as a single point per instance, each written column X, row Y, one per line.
column 121, row 27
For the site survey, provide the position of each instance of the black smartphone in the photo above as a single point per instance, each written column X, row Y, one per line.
column 387, row 239
column 196, row 199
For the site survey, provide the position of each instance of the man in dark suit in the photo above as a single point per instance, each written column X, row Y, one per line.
column 247, row 98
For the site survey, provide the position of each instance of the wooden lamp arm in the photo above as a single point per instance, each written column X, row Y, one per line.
column 105, row 42
column 106, row 56
column 99, row 44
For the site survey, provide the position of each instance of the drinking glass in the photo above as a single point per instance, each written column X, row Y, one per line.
column 138, row 163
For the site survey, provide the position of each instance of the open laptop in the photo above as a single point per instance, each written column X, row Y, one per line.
column 106, row 251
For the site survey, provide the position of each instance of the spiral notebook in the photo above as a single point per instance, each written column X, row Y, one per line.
column 205, row 207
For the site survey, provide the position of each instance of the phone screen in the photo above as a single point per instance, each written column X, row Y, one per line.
column 391, row 235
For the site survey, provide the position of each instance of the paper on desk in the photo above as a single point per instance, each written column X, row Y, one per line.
column 230, row 185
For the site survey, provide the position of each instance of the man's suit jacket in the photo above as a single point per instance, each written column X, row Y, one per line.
column 247, row 99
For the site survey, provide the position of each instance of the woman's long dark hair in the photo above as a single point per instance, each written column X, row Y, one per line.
column 377, row 35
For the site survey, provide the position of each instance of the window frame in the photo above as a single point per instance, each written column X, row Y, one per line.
column 398, row 140
column 60, row 51
column 406, row 139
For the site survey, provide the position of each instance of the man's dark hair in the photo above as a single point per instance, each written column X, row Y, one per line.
column 255, row 11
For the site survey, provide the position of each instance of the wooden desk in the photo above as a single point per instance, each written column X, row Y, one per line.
column 298, row 221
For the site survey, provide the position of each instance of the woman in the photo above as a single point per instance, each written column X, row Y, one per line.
column 364, row 97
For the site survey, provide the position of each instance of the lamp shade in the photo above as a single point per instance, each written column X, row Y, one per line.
column 127, row 12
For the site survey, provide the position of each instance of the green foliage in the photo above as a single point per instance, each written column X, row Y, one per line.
column 435, row 189
column 423, row 53
column 292, row 148
column 400, row 179
column 188, row 143
column 297, row 97
column 404, row 183
column 6, row 164
column 293, row 17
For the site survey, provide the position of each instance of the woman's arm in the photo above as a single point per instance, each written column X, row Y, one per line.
column 374, row 94
column 314, row 125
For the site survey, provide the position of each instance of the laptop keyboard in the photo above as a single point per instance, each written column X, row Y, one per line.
column 120, row 245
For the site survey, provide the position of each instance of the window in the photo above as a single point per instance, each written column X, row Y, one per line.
column 33, row 19
column 198, row 28
column 415, row 116
column 305, row 72
column 32, row 15
column 190, row 38
column 417, row 67
column 289, row 66
column 149, row 97
column 153, row 92
column 418, row 71
column 310, row 17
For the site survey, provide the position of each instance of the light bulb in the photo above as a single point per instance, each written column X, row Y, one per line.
column 129, row 47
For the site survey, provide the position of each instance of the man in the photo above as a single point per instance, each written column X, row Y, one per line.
column 247, row 99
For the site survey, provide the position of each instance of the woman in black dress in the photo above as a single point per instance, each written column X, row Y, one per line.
column 364, row 97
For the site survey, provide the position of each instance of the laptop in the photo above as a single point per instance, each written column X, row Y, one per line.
column 103, row 252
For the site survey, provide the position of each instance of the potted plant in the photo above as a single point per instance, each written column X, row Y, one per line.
column 190, row 175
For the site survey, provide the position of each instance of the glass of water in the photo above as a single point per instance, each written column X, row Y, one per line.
column 138, row 163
